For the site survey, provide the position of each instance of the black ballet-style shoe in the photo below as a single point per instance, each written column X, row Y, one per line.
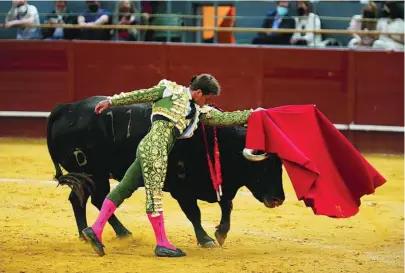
column 162, row 251
column 91, row 237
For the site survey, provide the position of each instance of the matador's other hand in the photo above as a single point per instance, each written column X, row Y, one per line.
column 102, row 106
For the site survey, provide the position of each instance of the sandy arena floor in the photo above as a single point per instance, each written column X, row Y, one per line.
column 38, row 232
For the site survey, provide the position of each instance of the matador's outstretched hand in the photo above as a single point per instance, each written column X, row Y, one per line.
column 259, row 109
column 102, row 106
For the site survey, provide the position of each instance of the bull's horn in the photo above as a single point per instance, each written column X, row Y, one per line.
column 248, row 154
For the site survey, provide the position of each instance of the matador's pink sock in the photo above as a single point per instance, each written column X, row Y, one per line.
column 106, row 211
column 159, row 229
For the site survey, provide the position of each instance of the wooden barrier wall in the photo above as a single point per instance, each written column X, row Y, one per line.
column 364, row 87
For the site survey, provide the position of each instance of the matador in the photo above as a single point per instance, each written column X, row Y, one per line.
column 176, row 112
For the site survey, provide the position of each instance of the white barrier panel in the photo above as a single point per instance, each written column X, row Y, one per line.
column 342, row 127
column 24, row 114
column 376, row 128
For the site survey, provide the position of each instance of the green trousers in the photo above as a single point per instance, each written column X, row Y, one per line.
column 151, row 164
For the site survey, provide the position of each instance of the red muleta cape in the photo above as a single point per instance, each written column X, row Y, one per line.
column 326, row 171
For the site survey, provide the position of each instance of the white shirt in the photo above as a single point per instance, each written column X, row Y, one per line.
column 24, row 12
column 189, row 131
column 396, row 25
column 58, row 33
column 382, row 24
column 310, row 22
column 355, row 24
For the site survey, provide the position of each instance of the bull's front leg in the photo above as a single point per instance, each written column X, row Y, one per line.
column 193, row 213
column 225, row 224
column 79, row 211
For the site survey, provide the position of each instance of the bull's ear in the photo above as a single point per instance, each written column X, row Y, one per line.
column 180, row 163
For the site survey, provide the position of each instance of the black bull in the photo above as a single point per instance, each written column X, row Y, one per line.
column 94, row 148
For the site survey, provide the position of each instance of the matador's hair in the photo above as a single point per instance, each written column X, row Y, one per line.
column 207, row 83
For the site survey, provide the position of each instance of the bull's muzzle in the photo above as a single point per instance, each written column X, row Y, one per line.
column 249, row 155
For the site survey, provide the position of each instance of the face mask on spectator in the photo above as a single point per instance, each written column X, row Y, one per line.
column 93, row 7
column 60, row 10
column 368, row 14
column 282, row 11
column 384, row 13
column 301, row 11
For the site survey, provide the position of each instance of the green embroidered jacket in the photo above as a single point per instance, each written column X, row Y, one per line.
column 171, row 100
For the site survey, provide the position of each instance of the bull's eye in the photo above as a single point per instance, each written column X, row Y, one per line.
column 181, row 171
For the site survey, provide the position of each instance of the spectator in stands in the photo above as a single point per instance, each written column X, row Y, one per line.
column 366, row 21
column 60, row 15
column 22, row 15
column 149, row 9
column 276, row 20
column 125, row 14
column 308, row 21
column 93, row 16
column 394, row 23
column 382, row 18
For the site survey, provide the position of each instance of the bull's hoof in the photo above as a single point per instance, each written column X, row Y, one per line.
column 123, row 235
column 206, row 241
column 220, row 237
column 162, row 251
column 209, row 244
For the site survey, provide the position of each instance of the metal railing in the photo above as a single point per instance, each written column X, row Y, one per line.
column 217, row 29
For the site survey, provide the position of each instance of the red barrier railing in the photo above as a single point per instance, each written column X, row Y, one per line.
column 364, row 87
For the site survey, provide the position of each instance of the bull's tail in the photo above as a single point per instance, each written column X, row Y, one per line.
column 55, row 114
column 79, row 183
